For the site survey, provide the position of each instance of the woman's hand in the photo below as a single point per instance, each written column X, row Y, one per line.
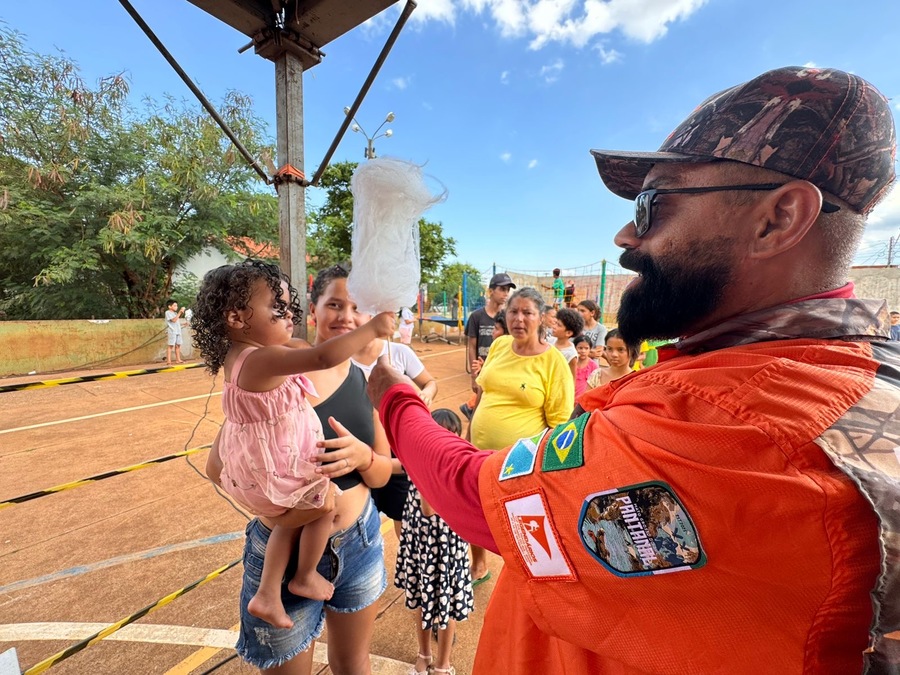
column 476, row 366
column 347, row 452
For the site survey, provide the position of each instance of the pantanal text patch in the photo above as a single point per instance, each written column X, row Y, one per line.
column 639, row 530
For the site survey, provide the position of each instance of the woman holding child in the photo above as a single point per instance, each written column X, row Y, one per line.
column 355, row 455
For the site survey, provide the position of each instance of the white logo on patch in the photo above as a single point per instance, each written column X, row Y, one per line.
column 535, row 538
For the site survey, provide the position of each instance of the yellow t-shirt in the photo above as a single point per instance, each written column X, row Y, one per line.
column 522, row 395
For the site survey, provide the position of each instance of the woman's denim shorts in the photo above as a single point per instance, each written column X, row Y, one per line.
column 353, row 562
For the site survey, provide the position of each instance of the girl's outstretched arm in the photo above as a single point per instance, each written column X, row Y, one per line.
column 270, row 363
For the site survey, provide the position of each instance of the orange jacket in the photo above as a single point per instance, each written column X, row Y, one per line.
column 641, row 542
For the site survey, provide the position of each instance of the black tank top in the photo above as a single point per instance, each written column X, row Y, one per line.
column 350, row 406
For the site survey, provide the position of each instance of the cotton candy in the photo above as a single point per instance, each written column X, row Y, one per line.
column 389, row 198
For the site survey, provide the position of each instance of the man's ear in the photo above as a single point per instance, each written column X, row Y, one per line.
column 785, row 218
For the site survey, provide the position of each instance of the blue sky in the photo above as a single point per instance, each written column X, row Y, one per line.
column 502, row 99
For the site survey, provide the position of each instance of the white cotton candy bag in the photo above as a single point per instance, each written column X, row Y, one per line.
column 389, row 198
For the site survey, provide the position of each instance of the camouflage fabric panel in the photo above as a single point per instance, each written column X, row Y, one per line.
column 865, row 444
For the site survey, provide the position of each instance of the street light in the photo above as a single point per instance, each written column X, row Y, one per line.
column 370, row 140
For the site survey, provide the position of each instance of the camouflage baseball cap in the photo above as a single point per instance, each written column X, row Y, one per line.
column 825, row 126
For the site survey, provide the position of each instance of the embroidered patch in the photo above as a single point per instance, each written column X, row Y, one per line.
column 520, row 458
column 564, row 449
column 535, row 537
column 639, row 530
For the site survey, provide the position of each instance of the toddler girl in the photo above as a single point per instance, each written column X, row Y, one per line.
column 243, row 321
column 433, row 569
column 620, row 356
column 584, row 365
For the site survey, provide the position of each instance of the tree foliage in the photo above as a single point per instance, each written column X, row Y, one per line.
column 330, row 227
column 450, row 283
column 99, row 202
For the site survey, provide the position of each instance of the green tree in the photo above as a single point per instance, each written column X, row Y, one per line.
column 99, row 202
column 330, row 227
column 450, row 281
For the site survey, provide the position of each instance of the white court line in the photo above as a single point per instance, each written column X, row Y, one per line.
column 451, row 351
column 109, row 412
column 162, row 635
column 161, row 403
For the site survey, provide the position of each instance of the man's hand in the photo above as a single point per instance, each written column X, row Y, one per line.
column 383, row 377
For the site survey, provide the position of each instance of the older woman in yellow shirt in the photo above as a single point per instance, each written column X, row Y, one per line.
column 525, row 386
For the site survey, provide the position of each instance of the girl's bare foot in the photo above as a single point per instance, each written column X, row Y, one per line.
column 269, row 610
column 313, row 586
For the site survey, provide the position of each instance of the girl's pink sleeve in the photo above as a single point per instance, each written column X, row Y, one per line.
column 443, row 466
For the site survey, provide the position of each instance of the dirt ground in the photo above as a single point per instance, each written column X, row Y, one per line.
column 75, row 561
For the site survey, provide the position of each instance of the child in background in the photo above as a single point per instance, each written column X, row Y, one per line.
column 433, row 569
column 584, row 365
column 620, row 356
column 569, row 324
column 499, row 329
column 468, row 408
column 173, row 331
column 407, row 322
column 548, row 324
column 245, row 316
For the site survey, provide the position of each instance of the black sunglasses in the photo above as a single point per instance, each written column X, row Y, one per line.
column 643, row 203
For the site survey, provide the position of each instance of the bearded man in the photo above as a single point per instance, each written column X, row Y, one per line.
column 746, row 485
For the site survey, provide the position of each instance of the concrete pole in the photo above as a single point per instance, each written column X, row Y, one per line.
column 291, row 194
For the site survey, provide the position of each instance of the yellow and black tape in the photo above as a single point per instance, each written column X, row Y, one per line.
column 99, row 476
column 95, row 378
column 109, row 630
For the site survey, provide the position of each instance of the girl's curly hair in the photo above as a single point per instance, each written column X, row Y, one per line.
column 228, row 288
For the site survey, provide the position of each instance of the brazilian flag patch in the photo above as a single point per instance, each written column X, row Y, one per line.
column 564, row 449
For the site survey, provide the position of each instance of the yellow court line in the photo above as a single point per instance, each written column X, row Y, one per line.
column 109, row 412
column 197, row 659
column 201, row 656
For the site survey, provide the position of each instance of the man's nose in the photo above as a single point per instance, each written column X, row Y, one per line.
column 626, row 237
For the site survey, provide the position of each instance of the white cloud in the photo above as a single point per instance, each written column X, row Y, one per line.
column 506, row 157
column 608, row 56
column 504, row 77
column 400, row 83
column 551, row 72
column 533, row 163
column 575, row 22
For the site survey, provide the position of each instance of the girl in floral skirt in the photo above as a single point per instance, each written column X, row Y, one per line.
column 433, row 569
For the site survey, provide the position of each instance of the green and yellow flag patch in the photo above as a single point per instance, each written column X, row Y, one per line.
column 564, row 449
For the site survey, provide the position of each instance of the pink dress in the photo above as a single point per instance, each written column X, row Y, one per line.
column 582, row 375
column 267, row 444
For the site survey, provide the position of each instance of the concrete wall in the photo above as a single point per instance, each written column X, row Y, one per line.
column 47, row 346
column 878, row 283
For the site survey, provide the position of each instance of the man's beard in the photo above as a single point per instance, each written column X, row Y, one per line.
column 671, row 298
